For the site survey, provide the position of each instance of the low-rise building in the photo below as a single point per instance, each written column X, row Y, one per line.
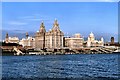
column 11, row 39
column 74, row 42
column 91, row 42
column 28, row 42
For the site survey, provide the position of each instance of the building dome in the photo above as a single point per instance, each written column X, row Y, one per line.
column 91, row 37
column 91, row 34
column 77, row 35
column 56, row 26
column 42, row 28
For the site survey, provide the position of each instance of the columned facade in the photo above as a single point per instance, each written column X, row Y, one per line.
column 54, row 37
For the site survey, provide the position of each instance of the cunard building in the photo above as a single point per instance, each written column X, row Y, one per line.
column 52, row 39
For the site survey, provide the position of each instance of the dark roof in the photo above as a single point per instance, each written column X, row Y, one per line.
column 9, row 44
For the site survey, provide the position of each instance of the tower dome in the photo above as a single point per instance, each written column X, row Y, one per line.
column 91, row 34
column 77, row 35
column 56, row 26
column 42, row 27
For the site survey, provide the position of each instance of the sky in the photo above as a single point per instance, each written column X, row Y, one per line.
column 73, row 17
column 59, row 0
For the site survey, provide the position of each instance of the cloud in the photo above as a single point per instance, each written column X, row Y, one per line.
column 16, row 23
column 30, row 18
column 37, row 17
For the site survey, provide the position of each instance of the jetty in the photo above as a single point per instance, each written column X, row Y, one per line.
column 18, row 52
column 15, row 49
column 95, row 50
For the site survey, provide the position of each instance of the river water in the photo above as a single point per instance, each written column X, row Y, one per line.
column 79, row 66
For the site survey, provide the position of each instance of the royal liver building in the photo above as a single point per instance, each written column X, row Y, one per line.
column 40, row 37
column 52, row 39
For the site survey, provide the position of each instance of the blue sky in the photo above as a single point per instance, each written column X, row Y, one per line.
column 77, row 17
column 60, row 0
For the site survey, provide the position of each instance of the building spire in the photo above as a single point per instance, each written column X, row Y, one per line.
column 7, row 38
column 7, row 35
column 55, row 19
column 55, row 25
column 27, row 35
column 42, row 24
column 42, row 27
column 56, row 22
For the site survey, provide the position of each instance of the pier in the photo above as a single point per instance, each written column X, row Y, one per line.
column 96, row 50
column 15, row 49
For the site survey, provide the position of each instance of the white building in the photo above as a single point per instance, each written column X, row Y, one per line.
column 11, row 39
column 28, row 42
column 91, row 42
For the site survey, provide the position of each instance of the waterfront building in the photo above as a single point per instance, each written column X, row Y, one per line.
column 40, row 37
column 112, row 40
column 11, row 39
column 28, row 41
column 112, row 43
column 91, row 42
column 74, row 42
column 77, row 35
column 54, row 37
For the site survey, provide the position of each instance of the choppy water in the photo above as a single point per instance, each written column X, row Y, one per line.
column 61, row 66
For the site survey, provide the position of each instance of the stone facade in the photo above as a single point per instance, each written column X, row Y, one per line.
column 51, row 39
column 74, row 42
column 40, row 37
column 54, row 37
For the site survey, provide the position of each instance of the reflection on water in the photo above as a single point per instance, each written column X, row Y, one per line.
column 61, row 66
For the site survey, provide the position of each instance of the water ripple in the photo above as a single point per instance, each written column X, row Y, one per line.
column 61, row 66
